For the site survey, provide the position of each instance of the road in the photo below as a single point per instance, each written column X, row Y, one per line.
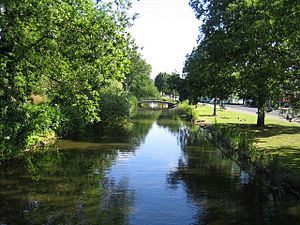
column 253, row 111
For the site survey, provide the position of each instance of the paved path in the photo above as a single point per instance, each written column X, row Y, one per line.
column 253, row 111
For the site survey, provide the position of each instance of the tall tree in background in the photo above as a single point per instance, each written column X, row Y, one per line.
column 174, row 82
column 161, row 83
column 138, row 81
column 208, row 67
column 171, row 84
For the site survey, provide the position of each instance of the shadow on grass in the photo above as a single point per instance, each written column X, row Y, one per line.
column 272, row 130
column 224, row 117
column 290, row 156
column 278, row 140
column 268, row 130
column 206, row 115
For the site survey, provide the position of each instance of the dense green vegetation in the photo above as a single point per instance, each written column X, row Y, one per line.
column 247, row 48
column 170, row 84
column 278, row 138
column 63, row 67
column 186, row 109
column 271, row 153
column 138, row 81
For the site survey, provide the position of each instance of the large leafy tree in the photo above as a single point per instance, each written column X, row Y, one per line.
column 174, row 82
column 208, row 67
column 66, row 51
column 257, row 43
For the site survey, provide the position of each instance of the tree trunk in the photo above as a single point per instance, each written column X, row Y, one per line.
column 261, row 113
column 215, row 106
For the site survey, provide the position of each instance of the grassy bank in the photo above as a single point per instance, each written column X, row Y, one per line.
column 271, row 155
column 278, row 137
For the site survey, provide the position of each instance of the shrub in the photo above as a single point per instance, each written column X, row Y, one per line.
column 133, row 103
column 42, row 122
column 239, row 146
column 114, row 106
column 185, row 108
column 25, row 126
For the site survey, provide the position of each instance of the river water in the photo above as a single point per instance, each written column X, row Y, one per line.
column 163, row 172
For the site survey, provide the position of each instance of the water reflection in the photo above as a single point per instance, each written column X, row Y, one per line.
column 69, row 190
column 162, row 172
column 218, row 187
column 98, row 138
column 70, row 186
column 171, row 121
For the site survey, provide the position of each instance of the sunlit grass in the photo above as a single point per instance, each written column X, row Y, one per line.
column 278, row 137
column 224, row 116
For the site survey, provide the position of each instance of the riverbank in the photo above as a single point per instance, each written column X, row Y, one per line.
column 279, row 139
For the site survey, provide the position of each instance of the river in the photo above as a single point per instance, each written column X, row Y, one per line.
column 163, row 172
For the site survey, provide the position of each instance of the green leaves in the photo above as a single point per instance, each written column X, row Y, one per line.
column 255, row 38
column 138, row 81
column 65, row 51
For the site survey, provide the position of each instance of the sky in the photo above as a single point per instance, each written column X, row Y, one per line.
column 166, row 31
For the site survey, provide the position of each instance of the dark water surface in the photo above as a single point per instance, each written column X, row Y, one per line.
column 161, row 173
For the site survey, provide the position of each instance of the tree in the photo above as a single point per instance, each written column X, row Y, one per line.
column 268, row 58
column 160, row 82
column 138, row 80
column 174, row 83
column 207, row 77
column 114, row 105
column 209, row 70
column 63, row 51
column 259, row 47
column 169, row 84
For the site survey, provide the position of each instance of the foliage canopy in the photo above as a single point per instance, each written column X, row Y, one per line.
column 247, row 47
column 59, row 61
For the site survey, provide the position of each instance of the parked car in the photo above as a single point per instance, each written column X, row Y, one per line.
column 204, row 100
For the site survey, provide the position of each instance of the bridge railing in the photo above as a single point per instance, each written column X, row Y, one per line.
column 158, row 101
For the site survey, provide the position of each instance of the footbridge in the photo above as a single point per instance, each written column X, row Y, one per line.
column 157, row 104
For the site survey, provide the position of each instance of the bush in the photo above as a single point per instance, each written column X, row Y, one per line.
column 42, row 122
column 239, row 146
column 70, row 120
column 133, row 103
column 12, row 120
column 114, row 106
column 185, row 108
column 27, row 125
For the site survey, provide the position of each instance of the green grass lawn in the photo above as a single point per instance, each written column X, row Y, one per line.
column 278, row 137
